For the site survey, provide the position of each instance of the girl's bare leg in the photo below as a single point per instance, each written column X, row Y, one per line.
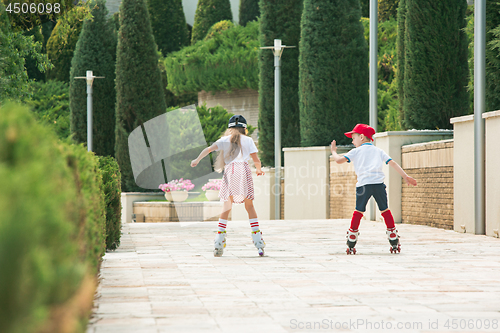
column 226, row 208
column 252, row 214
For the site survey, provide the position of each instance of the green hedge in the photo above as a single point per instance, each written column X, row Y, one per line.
column 52, row 228
column 111, row 179
column 227, row 61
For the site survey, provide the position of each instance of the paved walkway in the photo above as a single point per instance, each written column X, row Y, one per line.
column 164, row 278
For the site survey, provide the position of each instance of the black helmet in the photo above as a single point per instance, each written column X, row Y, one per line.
column 237, row 121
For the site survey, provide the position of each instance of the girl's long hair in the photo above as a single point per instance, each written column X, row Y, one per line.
column 235, row 141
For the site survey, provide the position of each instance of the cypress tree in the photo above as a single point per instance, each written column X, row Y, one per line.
column 209, row 12
column 169, row 25
column 333, row 67
column 249, row 11
column 492, row 56
column 280, row 19
column 436, row 70
column 139, row 93
column 400, row 47
column 96, row 51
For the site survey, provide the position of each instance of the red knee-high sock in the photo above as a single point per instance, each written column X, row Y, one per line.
column 356, row 219
column 389, row 219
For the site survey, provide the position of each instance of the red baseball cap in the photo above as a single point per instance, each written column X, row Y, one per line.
column 362, row 129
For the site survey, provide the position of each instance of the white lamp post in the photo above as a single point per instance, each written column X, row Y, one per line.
column 90, row 79
column 277, row 51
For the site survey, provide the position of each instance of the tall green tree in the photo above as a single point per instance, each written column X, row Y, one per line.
column 169, row 25
column 96, row 51
column 400, row 46
column 209, row 12
column 492, row 55
column 333, row 67
column 280, row 19
column 387, row 9
column 436, row 69
column 139, row 92
column 249, row 11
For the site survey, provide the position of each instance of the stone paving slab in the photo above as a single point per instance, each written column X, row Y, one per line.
column 164, row 278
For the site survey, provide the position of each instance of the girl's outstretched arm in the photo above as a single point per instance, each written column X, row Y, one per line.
column 409, row 180
column 203, row 153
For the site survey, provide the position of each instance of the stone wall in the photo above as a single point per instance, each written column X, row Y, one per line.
column 244, row 102
column 342, row 190
column 431, row 201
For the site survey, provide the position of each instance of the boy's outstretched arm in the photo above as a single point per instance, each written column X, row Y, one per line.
column 409, row 180
column 203, row 153
column 336, row 157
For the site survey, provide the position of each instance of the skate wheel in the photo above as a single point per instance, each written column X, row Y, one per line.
column 218, row 252
column 261, row 252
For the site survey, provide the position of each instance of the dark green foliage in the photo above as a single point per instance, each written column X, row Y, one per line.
column 249, row 11
column 225, row 62
column 387, row 9
column 40, row 239
column 111, row 181
column 168, row 23
column 34, row 73
column 333, row 86
column 96, row 51
column 280, row 20
column 492, row 98
column 209, row 12
column 365, row 8
column 14, row 48
column 61, row 46
column 400, row 46
column 50, row 103
column 139, row 92
column 436, row 72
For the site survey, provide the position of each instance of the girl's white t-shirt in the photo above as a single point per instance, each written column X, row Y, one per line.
column 247, row 147
column 368, row 161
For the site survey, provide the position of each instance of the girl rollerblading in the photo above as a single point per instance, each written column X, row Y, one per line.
column 235, row 148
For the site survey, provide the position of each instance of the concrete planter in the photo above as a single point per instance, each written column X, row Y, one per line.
column 176, row 196
column 212, row 195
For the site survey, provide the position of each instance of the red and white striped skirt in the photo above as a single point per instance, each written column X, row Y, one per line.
column 237, row 182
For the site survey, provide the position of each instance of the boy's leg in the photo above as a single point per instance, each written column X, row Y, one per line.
column 362, row 197
column 380, row 195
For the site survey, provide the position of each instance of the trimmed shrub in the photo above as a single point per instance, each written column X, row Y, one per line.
column 280, row 20
column 96, row 51
column 436, row 72
column 225, row 62
column 111, row 182
column 249, row 11
column 50, row 103
column 209, row 12
column 218, row 28
column 168, row 24
column 139, row 92
column 333, row 67
column 42, row 246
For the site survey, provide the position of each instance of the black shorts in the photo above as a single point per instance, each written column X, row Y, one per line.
column 364, row 193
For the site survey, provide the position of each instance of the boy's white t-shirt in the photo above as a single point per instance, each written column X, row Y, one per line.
column 247, row 147
column 368, row 161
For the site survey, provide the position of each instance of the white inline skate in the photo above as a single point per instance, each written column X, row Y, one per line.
column 219, row 243
column 352, row 238
column 392, row 235
column 258, row 241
